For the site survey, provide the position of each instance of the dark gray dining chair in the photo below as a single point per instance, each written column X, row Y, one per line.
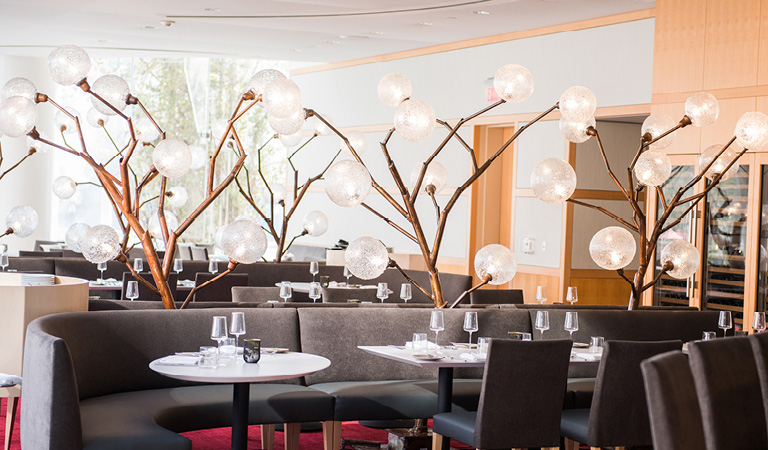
column 255, row 294
column 40, row 254
column 343, row 294
column 221, row 289
column 199, row 253
column 673, row 406
column 520, row 400
column 496, row 297
column 618, row 416
column 146, row 293
column 759, row 343
column 729, row 392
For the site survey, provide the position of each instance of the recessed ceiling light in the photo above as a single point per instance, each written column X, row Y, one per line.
column 212, row 9
column 295, row 49
column 149, row 27
column 425, row 24
column 343, row 36
column 333, row 42
column 482, row 13
column 454, row 18
column 378, row 33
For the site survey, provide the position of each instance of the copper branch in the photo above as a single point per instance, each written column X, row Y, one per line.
column 487, row 278
column 391, row 223
column 393, row 263
column 7, row 232
column 606, row 212
column 232, row 265
column 668, row 265
column 466, row 146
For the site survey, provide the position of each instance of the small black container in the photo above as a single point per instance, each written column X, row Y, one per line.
column 251, row 350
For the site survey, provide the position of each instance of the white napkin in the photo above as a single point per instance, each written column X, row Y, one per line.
column 177, row 360
column 430, row 345
column 473, row 356
column 586, row 356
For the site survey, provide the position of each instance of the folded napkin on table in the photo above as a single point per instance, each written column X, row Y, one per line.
column 586, row 356
column 473, row 356
column 178, row 360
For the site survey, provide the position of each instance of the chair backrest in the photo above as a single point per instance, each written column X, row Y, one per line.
column 255, row 294
column 39, row 244
column 199, row 253
column 184, row 251
column 728, row 387
column 496, row 296
column 619, row 413
column 522, row 394
column 759, row 343
column 672, row 403
column 341, row 295
column 40, row 254
column 221, row 289
column 146, row 293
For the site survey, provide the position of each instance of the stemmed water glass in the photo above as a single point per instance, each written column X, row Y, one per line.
column 3, row 260
column 314, row 269
column 382, row 292
column 405, row 292
column 725, row 321
column 102, row 266
column 541, row 294
column 470, row 324
column 138, row 265
column 347, row 274
column 314, row 291
column 213, row 266
column 571, row 321
column 572, row 295
column 285, row 290
column 436, row 324
column 219, row 329
column 542, row 321
column 132, row 290
column 237, row 328
column 178, row 265
column 758, row 322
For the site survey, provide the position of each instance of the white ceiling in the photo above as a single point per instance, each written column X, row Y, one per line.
column 298, row 30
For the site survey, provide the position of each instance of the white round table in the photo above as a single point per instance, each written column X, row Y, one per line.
column 278, row 366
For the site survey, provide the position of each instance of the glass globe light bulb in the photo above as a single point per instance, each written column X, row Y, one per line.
column 394, row 88
column 172, row 158
column 154, row 223
column 114, row 90
column 513, row 83
column 94, row 117
column 253, row 219
column 751, row 131
column 356, row 141
column 612, row 248
column 282, row 98
column 219, row 235
column 347, row 183
column 18, row 116
column 279, row 191
column 577, row 104
column 288, row 125
column 315, row 223
column 553, row 180
column 64, row 187
column 100, row 244
column 415, row 120
column 367, row 258
column 702, row 108
column 498, row 262
column 653, row 167
column 262, row 78
column 291, row 140
column 684, row 256
column 243, row 241
column 656, row 124
column 74, row 236
column 436, row 176
column 178, row 197
column 18, row 86
column 22, row 220
column 722, row 162
column 64, row 123
column 322, row 129
column 576, row 132
column 68, row 64
column 145, row 130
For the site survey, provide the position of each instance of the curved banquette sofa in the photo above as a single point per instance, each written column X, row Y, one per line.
column 87, row 384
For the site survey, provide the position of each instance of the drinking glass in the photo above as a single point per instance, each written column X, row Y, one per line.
column 470, row 324
column 227, row 351
column 572, row 296
column 208, row 357
column 482, row 345
column 405, row 292
column 758, row 322
column 285, row 290
column 132, row 290
column 436, row 324
column 571, row 322
column 251, row 350
column 314, row 269
column 347, row 274
column 596, row 344
column 525, row 336
column 219, row 329
column 382, row 292
column 541, row 294
column 725, row 322
column 542, row 321
column 213, row 266
column 708, row 335
column 178, row 266
column 138, row 265
column 420, row 342
column 3, row 260
column 237, row 328
column 102, row 266
column 314, row 291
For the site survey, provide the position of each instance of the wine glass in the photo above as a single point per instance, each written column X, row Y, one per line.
column 572, row 296
column 541, row 294
column 382, row 292
column 132, row 290
column 315, row 291
column 437, row 323
column 213, row 266
column 102, row 266
column 542, row 321
column 138, row 265
column 347, row 274
column 219, row 329
column 285, row 290
column 405, row 292
column 758, row 322
column 237, row 328
column 178, row 266
column 470, row 324
column 3, row 260
column 725, row 322
column 314, row 269
column 571, row 321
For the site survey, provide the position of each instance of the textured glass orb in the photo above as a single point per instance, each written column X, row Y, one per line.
column 415, row 120
column 282, row 98
column 576, row 132
column 684, row 256
column 612, row 248
column 347, row 183
column 315, row 223
column 154, row 223
column 178, row 196
column 64, row 123
column 199, row 157
column 513, row 83
column 22, row 220
column 18, row 115
column 653, row 167
column 722, row 162
column 291, row 140
column 553, row 180
column 64, row 187
column 68, row 64
column 366, row 258
column 74, row 236
column 394, row 88
column 145, row 130
column 114, row 90
column 243, row 241
column 656, row 125
column 172, row 158
column 100, row 244
column 262, row 78
column 436, row 176
column 497, row 261
column 356, row 140
column 18, row 86
column 321, row 128
column 279, row 191
column 702, row 108
column 94, row 117
column 247, row 217
column 577, row 104
column 751, row 131
column 219, row 235
column 288, row 125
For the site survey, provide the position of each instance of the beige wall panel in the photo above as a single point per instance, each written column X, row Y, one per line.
column 762, row 68
column 620, row 141
column 602, row 291
column 528, row 282
column 732, row 44
column 688, row 140
column 730, row 112
column 678, row 57
column 762, row 104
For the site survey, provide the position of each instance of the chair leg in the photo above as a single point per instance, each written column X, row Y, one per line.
column 10, row 413
column 292, row 432
column 437, row 441
column 331, row 435
column 550, row 448
column 267, row 436
column 570, row 444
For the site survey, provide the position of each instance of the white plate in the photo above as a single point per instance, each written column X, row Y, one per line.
column 426, row 357
column 463, row 345
column 270, row 350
